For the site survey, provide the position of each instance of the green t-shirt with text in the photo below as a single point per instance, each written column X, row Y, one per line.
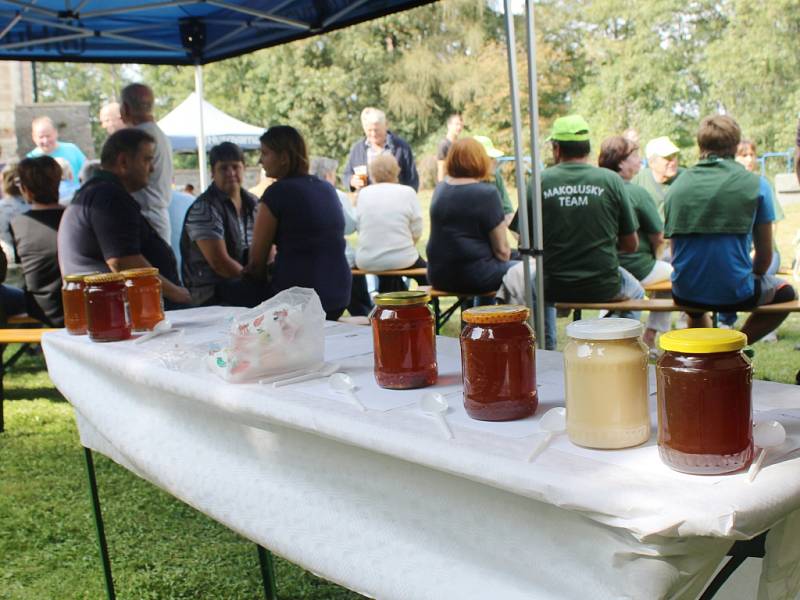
column 584, row 210
column 641, row 262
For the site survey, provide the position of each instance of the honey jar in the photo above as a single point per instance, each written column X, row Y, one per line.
column 705, row 413
column 144, row 297
column 498, row 363
column 107, row 314
column 404, row 340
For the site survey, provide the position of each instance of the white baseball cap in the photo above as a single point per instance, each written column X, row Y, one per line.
column 661, row 146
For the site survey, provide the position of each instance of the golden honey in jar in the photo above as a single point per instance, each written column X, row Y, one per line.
column 605, row 383
column 404, row 339
column 705, row 413
column 498, row 363
column 107, row 315
column 144, row 297
column 74, row 303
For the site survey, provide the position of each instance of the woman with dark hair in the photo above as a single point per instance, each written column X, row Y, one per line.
column 11, row 205
column 468, row 249
column 302, row 216
column 217, row 232
column 621, row 155
column 35, row 238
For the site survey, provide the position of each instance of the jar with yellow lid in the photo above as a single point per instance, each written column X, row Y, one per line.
column 74, row 303
column 498, row 363
column 144, row 297
column 605, row 383
column 705, row 413
column 107, row 314
column 404, row 339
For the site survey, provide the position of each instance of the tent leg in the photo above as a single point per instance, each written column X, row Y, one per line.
column 201, row 132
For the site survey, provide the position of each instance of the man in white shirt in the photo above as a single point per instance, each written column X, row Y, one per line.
column 136, row 108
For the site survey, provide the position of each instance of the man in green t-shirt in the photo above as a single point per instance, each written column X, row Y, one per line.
column 586, row 217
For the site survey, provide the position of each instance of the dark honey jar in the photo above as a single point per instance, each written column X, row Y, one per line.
column 107, row 314
column 705, row 413
column 498, row 363
column 404, row 339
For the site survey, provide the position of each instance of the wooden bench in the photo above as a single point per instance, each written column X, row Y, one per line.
column 461, row 300
column 415, row 272
column 26, row 337
column 666, row 305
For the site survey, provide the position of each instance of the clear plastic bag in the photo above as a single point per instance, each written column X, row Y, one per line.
column 285, row 333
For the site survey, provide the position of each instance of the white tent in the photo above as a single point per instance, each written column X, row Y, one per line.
column 181, row 126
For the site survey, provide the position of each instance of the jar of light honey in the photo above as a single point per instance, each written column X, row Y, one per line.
column 144, row 297
column 705, row 413
column 498, row 363
column 74, row 303
column 404, row 340
column 107, row 314
column 605, row 379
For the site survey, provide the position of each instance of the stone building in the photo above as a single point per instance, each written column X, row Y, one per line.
column 16, row 87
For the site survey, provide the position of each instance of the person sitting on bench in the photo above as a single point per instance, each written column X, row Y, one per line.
column 713, row 210
column 587, row 218
column 35, row 236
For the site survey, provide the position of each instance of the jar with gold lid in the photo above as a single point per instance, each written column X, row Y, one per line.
column 144, row 298
column 74, row 303
column 498, row 363
column 107, row 313
column 404, row 339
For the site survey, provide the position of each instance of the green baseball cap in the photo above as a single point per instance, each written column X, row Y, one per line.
column 572, row 128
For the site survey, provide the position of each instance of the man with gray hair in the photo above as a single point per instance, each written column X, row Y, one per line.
column 378, row 140
column 661, row 170
column 136, row 108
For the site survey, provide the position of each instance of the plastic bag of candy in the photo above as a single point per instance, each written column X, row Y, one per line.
column 285, row 333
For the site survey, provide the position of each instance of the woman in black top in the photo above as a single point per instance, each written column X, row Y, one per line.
column 468, row 250
column 35, row 234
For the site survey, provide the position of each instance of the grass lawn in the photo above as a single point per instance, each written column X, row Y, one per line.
column 160, row 548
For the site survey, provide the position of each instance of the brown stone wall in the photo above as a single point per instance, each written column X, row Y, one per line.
column 70, row 118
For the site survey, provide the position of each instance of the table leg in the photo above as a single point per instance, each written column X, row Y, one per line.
column 267, row 573
column 98, row 524
column 739, row 552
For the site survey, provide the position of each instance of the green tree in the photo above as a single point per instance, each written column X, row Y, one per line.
column 96, row 84
column 752, row 70
column 644, row 66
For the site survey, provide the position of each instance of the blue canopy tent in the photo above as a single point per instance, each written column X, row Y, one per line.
column 196, row 32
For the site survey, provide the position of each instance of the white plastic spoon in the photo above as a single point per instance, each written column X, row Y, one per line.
column 769, row 434
column 435, row 405
column 160, row 328
column 343, row 384
column 554, row 421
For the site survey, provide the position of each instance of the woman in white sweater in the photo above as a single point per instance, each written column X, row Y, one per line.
column 389, row 221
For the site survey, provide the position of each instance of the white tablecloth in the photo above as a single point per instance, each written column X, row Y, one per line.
column 382, row 503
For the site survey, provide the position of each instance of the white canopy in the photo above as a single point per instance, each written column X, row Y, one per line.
column 181, row 126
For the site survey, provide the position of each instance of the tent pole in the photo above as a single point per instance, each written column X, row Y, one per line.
column 519, row 169
column 536, row 175
column 201, row 134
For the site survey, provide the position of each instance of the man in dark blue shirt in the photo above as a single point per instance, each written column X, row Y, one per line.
column 104, row 230
column 378, row 139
